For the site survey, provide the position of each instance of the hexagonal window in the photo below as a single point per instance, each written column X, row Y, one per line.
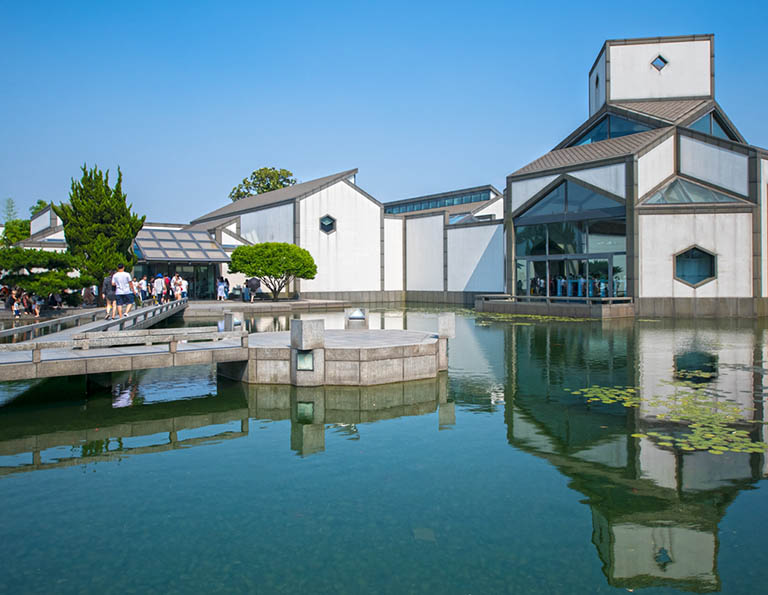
column 695, row 266
column 327, row 224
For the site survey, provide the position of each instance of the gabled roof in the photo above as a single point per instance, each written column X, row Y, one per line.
column 673, row 111
column 260, row 201
column 606, row 149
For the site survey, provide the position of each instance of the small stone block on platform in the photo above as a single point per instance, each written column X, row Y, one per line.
column 307, row 334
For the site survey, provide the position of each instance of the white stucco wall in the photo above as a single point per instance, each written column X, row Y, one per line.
column 229, row 240
column 687, row 73
column 39, row 222
column 476, row 258
column 424, row 253
column 764, row 223
column 597, row 91
column 521, row 191
column 348, row 259
column 728, row 235
column 268, row 225
column 611, row 178
column 655, row 166
column 495, row 208
column 393, row 254
column 722, row 167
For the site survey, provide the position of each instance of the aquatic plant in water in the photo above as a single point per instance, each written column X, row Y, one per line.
column 707, row 418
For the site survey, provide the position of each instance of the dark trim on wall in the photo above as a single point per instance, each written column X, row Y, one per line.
column 633, row 236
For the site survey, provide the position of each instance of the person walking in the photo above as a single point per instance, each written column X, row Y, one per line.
column 143, row 289
column 108, row 294
column 123, row 285
column 159, row 288
column 221, row 290
column 184, row 288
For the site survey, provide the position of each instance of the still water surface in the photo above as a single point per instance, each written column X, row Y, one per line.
column 494, row 478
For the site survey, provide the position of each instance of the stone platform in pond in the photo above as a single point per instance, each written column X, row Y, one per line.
column 309, row 355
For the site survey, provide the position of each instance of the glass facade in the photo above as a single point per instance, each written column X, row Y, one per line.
column 571, row 244
column 684, row 192
column 438, row 202
column 201, row 277
column 610, row 127
column 709, row 124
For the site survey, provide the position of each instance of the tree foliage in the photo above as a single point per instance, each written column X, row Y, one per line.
column 15, row 230
column 262, row 180
column 39, row 271
column 98, row 224
column 37, row 207
column 9, row 210
column 275, row 263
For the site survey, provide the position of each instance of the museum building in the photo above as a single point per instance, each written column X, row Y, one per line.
column 656, row 197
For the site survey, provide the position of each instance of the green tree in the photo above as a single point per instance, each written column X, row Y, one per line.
column 275, row 263
column 262, row 180
column 37, row 207
column 98, row 224
column 39, row 271
column 9, row 210
column 15, row 231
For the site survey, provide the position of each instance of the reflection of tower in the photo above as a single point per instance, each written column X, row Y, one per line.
column 655, row 512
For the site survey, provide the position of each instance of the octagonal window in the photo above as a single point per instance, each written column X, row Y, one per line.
column 327, row 224
column 695, row 266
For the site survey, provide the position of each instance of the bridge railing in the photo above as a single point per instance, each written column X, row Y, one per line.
column 97, row 340
column 28, row 331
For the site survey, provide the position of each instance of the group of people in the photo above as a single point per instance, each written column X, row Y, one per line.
column 120, row 290
column 25, row 302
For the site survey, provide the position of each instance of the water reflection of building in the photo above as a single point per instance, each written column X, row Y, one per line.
column 655, row 510
column 35, row 434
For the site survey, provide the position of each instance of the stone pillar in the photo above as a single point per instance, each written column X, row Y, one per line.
column 307, row 352
column 446, row 329
column 229, row 321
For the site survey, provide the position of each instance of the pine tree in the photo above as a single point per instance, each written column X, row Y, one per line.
column 98, row 224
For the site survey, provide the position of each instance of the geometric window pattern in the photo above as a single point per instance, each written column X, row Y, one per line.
column 609, row 127
column 437, row 203
column 695, row 266
column 709, row 124
column 685, row 192
column 168, row 245
column 571, row 200
column 659, row 62
column 327, row 224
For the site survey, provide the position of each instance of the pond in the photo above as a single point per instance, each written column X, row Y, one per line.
column 555, row 456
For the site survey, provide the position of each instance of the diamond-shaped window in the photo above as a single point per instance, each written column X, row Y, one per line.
column 327, row 224
column 695, row 266
column 659, row 62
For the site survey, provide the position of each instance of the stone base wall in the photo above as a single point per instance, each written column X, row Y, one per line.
column 596, row 311
column 362, row 297
column 702, row 307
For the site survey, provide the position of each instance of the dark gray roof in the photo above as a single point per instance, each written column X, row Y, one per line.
column 171, row 245
column 613, row 147
column 672, row 110
column 260, row 201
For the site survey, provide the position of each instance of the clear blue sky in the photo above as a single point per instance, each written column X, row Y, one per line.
column 189, row 97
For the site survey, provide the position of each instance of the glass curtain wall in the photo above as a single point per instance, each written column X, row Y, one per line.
column 572, row 244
